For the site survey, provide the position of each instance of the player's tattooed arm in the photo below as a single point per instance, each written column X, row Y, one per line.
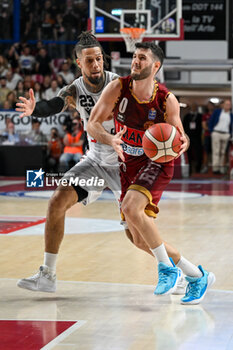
column 43, row 109
column 69, row 95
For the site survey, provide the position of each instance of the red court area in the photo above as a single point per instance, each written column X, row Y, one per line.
column 30, row 335
column 11, row 224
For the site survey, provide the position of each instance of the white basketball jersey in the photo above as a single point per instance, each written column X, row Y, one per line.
column 102, row 154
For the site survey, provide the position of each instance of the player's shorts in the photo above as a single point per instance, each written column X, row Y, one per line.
column 149, row 178
column 94, row 178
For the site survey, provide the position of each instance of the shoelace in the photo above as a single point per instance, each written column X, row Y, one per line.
column 193, row 289
column 39, row 273
column 163, row 276
column 35, row 276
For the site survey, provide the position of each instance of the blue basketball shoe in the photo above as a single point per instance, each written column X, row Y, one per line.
column 168, row 279
column 197, row 287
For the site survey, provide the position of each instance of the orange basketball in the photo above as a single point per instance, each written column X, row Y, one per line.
column 161, row 142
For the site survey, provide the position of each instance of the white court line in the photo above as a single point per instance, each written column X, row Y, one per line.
column 112, row 284
column 64, row 335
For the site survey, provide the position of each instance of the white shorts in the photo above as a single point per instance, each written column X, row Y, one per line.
column 94, row 179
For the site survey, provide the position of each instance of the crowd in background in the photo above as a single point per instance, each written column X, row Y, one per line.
column 210, row 136
column 59, row 20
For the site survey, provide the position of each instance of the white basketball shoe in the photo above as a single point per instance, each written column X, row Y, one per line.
column 181, row 284
column 43, row 281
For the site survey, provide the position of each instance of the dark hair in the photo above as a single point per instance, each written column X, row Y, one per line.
column 88, row 40
column 35, row 121
column 155, row 49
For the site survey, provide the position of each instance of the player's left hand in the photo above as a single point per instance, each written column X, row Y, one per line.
column 185, row 142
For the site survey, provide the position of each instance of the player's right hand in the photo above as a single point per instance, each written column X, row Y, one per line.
column 117, row 142
column 26, row 106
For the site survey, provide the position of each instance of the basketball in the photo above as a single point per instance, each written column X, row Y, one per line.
column 161, row 142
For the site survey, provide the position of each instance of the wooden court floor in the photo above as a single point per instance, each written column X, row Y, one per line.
column 106, row 284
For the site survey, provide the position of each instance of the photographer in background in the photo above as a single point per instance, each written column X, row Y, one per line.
column 73, row 141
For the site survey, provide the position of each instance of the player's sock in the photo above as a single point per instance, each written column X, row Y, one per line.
column 50, row 261
column 161, row 254
column 188, row 268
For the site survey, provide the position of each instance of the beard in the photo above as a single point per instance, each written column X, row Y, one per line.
column 96, row 80
column 145, row 73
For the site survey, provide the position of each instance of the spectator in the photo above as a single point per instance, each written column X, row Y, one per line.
column 60, row 35
column 6, row 105
column 52, row 91
column 220, row 125
column 73, row 66
column 28, row 11
column 66, row 73
column 35, row 136
column 28, row 82
column 4, row 65
column 207, row 139
column 67, row 123
column 37, row 91
column 49, row 7
column 6, row 11
column 43, row 63
column 46, row 83
column 10, row 136
column 70, row 21
column 46, row 30
column 11, row 98
column 12, row 79
column 3, row 90
column 26, row 94
column 19, row 90
column 39, row 45
column 193, row 127
column 73, row 142
column 26, row 61
column 54, row 150
column 13, row 56
column 80, row 9
column 60, row 81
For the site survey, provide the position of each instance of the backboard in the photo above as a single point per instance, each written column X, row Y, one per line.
column 162, row 19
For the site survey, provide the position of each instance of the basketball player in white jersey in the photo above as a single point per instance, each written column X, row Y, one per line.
column 100, row 161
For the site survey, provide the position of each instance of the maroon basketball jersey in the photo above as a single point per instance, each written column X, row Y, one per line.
column 137, row 115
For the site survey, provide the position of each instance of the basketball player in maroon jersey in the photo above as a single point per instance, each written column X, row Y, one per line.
column 137, row 102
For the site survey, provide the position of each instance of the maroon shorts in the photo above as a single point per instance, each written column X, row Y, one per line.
column 147, row 177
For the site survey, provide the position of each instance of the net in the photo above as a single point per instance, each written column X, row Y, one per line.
column 132, row 36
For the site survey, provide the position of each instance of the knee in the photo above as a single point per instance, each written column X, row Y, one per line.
column 55, row 206
column 60, row 201
column 128, row 210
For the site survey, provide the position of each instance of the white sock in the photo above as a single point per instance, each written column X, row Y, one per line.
column 188, row 268
column 50, row 261
column 161, row 254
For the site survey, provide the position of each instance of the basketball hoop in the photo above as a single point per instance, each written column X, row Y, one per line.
column 132, row 36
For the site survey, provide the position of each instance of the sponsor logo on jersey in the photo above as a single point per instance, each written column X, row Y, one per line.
column 131, row 136
column 132, row 151
column 152, row 114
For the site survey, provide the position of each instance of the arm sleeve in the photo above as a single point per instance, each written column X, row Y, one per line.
column 45, row 108
column 212, row 121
